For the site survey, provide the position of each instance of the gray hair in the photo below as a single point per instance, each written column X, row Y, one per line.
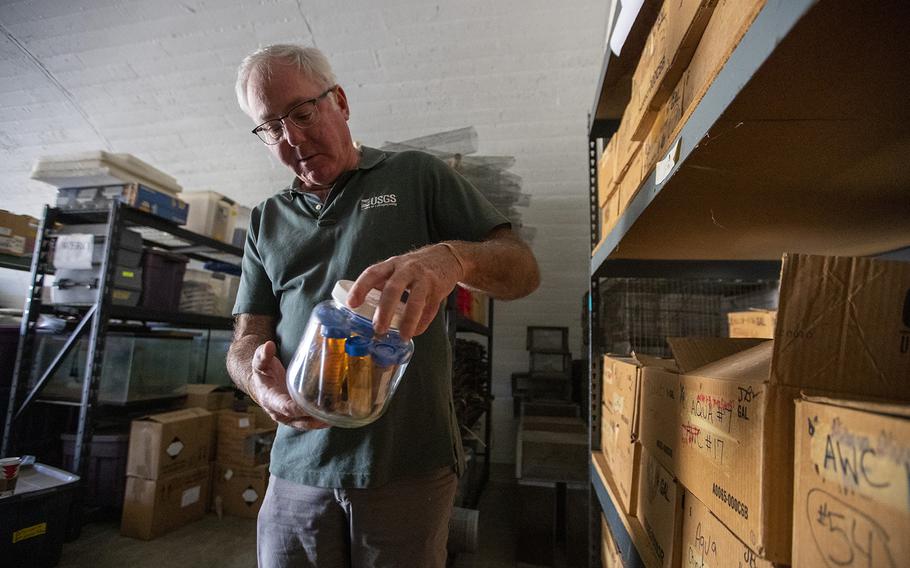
column 309, row 61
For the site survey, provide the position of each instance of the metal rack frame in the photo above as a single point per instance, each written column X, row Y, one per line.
column 773, row 24
column 456, row 324
column 94, row 321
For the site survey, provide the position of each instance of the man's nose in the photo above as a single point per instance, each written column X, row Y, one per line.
column 293, row 133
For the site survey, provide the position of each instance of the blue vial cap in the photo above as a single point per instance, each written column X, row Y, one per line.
column 330, row 316
column 334, row 332
column 357, row 346
column 361, row 325
column 385, row 355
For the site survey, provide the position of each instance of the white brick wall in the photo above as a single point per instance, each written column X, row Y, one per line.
column 156, row 79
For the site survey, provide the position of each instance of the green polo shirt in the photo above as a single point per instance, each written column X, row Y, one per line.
column 297, row 248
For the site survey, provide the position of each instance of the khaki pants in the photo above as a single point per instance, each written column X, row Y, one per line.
column 402, row 524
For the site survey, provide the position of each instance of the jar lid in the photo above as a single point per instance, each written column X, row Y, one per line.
column 357, row 346
column 370, row 303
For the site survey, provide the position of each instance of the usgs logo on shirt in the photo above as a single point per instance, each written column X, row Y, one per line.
column 387, row 200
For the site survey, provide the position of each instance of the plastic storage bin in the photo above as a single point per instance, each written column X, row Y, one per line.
column 545, row 338
column 211, row 214
column 80, row 287
column 342, row 373
column 136, row 367
column 129, row 253
column 162, row 280
column 210, row 357
column 33, row 521
column 105, row 481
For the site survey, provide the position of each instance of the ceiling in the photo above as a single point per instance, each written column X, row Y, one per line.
column 155, row 79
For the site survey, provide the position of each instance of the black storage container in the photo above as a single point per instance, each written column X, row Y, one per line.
column 105, row 482
column 162, row 279
column 33, row 521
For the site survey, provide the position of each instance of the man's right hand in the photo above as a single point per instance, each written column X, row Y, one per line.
column 268, row 385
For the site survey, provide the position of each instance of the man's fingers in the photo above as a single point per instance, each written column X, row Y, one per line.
column 263, row 355
column 414, row 309
column 307, row 424
column 373, row 277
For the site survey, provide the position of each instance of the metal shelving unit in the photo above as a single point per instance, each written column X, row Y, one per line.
column 456, row 324
column 94, row 321
column 786, row 151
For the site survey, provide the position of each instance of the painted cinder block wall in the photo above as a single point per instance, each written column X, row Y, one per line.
column 156, row 79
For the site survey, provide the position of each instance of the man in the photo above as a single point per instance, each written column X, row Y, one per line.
column 380, row 495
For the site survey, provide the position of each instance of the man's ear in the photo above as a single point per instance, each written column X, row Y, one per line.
column 341, row 99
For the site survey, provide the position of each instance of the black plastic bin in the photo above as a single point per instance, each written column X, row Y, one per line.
column 162, row 279
column 105, row 481
column 33, row 521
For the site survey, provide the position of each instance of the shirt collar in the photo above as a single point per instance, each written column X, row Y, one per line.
column 369, row 159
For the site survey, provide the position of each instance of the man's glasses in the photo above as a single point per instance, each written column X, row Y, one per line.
column 302, row 115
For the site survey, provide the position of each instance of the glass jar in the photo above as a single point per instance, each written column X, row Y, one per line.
column 342, row 372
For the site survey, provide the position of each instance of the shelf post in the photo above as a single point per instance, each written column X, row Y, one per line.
column 31, row 310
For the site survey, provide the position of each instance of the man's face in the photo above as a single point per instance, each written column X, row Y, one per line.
column 319, row 153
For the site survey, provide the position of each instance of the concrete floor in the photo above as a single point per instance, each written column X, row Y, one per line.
column 230, row 542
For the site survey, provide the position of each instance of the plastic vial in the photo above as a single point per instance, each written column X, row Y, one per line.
column 331, row 367
column 387, row 353
column 359, row 376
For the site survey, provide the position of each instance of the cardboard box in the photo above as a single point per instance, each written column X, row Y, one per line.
column 665, row 127
column 668, row 50
column 605, row 167
column 209, row 397
column 707, row 542
column 658, row 426
column 624, row 147
column 241, row 441
column 841, row 328
column 17, row 233
column 848, row 316
column 631, row 181
column 167, row 443
column 609, row 214
column 153, row 507
column 659, row 510
column 239, row 491
column 478, row 311
column 610, row 556
column 735, row 446
column 729, row 22
column 851, row 492
column 622, row 384
column 752, row 323
column 261, row 418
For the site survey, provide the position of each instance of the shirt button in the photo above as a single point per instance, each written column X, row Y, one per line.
column 318, row 207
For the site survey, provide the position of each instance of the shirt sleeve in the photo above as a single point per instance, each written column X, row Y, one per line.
column 458, row 210
column 254, row 295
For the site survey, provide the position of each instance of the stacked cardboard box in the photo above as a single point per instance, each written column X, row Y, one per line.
column 168, row 472
column 17, row 233
column 244, row 442
column 623, row 378
column 686, row 48
column 724, row 426
column 851, row 492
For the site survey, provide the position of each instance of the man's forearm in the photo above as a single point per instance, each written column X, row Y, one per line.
column 250, row 331
column 240, row 360
column 502, row 266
